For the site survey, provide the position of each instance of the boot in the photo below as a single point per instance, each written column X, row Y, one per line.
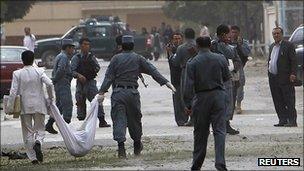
column 37, row 149
column 49, row 127
column 103, row 122
column 238, row 108
column 138, row 147
column 230, row 130
column 121, row 150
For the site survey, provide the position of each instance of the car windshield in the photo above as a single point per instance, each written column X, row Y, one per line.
column 11, row 54
column 297, row 37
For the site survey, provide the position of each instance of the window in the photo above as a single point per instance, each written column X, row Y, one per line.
column 101, row 31
column 297, row 37
column 11, row 54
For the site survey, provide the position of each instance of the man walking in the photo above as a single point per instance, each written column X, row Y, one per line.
column 122, row 74
column 282, row 74
column 29, row 39
column 61, row 77
column 206, row 74
column 243, row 50
column 220, row 45
column 183, row 54
column 85, row 68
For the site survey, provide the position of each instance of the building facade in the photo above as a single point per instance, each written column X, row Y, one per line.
column 54, row 18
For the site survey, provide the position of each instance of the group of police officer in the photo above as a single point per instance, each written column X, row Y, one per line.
column 84, row 67
column 208, row 75
column 204, row 73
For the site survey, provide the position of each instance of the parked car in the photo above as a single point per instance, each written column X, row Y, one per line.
column 10, row 61
column 102, row 36
column 297, row 39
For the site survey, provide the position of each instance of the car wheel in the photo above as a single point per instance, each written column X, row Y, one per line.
column 48, row 58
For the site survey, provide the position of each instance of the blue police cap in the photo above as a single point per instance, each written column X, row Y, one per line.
column 127, row 39
column 67, row 42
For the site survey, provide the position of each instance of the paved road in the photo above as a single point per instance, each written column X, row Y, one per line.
column 158, row 118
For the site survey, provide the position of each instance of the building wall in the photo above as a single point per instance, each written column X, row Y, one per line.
column 48, row 19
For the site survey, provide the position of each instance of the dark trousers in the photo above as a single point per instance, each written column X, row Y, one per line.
column 64, row 101
column 283, row 97
column 209, row 108
column 125, row 112
column 178, row 104
column 86, row 91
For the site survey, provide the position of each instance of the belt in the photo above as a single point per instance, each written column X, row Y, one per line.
column 125, row 87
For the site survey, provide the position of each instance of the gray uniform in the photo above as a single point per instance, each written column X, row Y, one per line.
column 179, row 60
column 243, row 51
column 61, row 77
column 206, row 74
column 82, row 64
column 229, row 53
column 122, row 74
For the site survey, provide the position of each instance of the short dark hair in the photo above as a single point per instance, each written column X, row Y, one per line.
column 127, row 46
column 84, row 39
column 176, row 33
column 203, row 42
column 280, row 28
column 118, row 40
column 27, row 57
column 189, row 33
column 221, row 29
column 234, row 27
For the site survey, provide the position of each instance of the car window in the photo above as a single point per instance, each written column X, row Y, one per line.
column 297, row 38
column 78, row 33
column 11, row 54
column 101, row 31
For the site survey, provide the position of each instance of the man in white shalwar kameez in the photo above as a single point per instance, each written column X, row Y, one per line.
column 28, row 83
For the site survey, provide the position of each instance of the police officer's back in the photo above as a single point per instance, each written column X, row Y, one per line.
column 122, row 74
column 206, row 74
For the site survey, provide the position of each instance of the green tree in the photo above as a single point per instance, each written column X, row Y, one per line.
column 248, row 15
column 11, row 10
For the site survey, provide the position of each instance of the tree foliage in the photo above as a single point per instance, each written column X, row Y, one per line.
column 248, row 15
column 12, row 10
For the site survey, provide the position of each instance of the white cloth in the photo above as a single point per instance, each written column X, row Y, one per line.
column 28, row 83
column 32, row 132
column 78, row 142
column 29, row 42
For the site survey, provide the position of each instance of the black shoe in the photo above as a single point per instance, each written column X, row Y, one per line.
column 34, row 162
column 103, row 123
column 37, row 149
column 49, row 128
column 189, row 123
column 121, row 150
column 138, row 147
column 221, row 167
column 291, row 125
column 230, row 130
column 279, row 124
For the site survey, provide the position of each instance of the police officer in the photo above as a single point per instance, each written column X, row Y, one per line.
column 175, row 74
column 208, row 101
column 183, row 53
column 61, row 77
column 243, row 50
column 122, row 74
column 220, row 45
column 85, row 68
